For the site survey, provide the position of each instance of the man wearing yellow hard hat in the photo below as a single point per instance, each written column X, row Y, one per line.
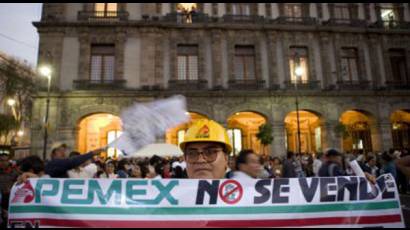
column 206, row 147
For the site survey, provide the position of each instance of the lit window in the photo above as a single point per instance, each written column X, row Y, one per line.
column 235, row 136
column 106, row 9
column 187, row 62
column 111, row 136
column 244, row 62
column 298, row 59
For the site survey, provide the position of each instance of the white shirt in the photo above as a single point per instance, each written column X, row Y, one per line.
column 73, row 173
column 317, row 164
column 238, row 175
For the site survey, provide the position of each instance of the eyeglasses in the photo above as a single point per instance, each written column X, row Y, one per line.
column 209, row 154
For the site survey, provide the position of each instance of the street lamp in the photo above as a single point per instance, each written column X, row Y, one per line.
column 298, row 74
column 46, row 72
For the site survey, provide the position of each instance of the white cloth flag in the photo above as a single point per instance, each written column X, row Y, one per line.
column 142, row 123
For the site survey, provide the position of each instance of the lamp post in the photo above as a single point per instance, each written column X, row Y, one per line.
column 46, row 72
column 298, row 74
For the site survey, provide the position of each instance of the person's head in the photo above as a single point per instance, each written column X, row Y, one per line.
column 334, row 156
column 249, row 163
column 276, row 161
column 135, row 171
column 371, row 160
column 290, row 155
column 232, row 163
column 58, row 151
column 124, row 165
column 151, row 172
column 32, row 164
column 386, row 157
column 109, row 167
column 206, row 147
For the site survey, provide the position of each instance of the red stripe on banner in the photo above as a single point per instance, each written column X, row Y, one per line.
column 216, row 223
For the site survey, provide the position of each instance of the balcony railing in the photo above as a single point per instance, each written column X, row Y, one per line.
column 246, row 84
column 346, row 22
column 231, row 18
column 295, row 20
column 186, row 18
column 403, row 85
column 99, row 84
column 391, row 24
column 353, row 85
column 187, row 84
column 302, row 85
column 103, row 16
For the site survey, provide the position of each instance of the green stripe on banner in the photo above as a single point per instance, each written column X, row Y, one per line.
column 206, row 210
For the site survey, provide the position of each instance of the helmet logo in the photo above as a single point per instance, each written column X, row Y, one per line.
column 203, row 132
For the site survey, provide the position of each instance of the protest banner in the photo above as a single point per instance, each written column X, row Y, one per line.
column 296, row 202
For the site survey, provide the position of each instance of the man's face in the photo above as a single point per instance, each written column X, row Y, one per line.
column 372, row 163
column 205, row 160
column 252, row 166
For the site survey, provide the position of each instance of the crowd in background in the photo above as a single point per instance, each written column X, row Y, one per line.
column 247, row 164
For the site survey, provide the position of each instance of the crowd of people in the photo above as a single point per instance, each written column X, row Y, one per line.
column 200, row 151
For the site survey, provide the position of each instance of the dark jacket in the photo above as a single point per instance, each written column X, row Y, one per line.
column 57, row 168
column 330, row 169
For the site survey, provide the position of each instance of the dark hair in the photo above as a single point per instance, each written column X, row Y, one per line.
column 243, row 156
column 387, row 157
column 289, row 154
column 333, row 153
column 32, row 163
column 369, row 158
column 144, row 169
column 122, row 163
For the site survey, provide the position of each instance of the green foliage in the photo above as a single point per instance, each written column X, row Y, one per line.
column 265, row 134
column 341, row 130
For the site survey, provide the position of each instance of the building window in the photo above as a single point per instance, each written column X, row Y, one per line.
column 106, row 9
column 293, row 10
column 342, row 11
column 398, row 65
column 187, row 62
column 389, row 16
column 102, row 62
column 349, row 64
column 299, row 60
column 241, row 9
column 235, row 136
column 245, row 62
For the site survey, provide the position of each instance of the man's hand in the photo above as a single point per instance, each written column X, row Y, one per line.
column 99, row 151
column 24, row 177
column 403, row 165
column 370, row 178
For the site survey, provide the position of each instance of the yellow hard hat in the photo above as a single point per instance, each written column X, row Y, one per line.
column 205, row 130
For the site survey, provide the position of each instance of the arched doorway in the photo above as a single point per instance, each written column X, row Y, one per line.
column 401, row 129
column 242, row 130
column 310, row 132
column 176, row 135
column 357, row 124
column 96, row 131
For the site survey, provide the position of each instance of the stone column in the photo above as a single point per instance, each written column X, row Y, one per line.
column 119, row 57
column 325, row 10
column 85, row 53
column 386, row 135
column 406, row 12
column 216, row 41
column 208, row 8
column 221, row 9
column 278, row 145
column 166, row 8
column 373, row 16
column 329, row 137
column 272, row 64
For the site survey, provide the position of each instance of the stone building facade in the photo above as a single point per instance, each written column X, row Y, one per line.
column 145, row 40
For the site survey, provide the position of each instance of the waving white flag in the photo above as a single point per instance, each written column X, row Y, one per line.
column 142, row 123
